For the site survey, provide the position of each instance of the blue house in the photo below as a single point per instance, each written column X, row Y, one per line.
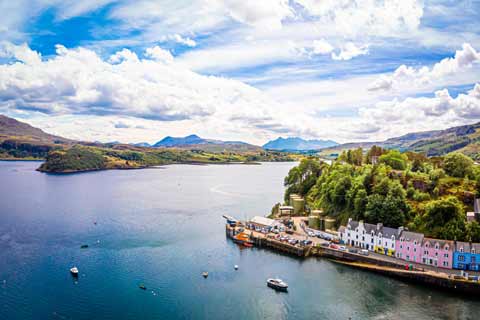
column 466, row 256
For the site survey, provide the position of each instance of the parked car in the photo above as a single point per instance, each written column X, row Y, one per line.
column 352, row 250
column 342, row 248
column 333, row 246
column 364, row 252
column 307, row 242
column 325, row 244
column 293, row 241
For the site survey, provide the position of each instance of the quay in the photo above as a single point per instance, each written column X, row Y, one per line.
column 414, row 273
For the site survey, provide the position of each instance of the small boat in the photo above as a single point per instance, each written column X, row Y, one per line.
column 84, row 246
column 248, row 244
column 235, row 267
column 205, row 274
column 142, row 286
column 277, row 284
column 74, row 271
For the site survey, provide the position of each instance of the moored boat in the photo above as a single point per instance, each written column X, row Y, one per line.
column 74, row 271
column 205, row 274
column 277, row 284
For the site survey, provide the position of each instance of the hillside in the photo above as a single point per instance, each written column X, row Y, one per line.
column 19, row 140
column 297, row 144
column 464, row 139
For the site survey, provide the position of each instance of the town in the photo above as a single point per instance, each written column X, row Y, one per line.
column 375, row 247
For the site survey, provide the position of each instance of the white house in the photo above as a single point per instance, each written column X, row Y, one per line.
column 370, row 236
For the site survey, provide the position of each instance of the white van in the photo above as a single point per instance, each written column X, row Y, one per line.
column 364, row 252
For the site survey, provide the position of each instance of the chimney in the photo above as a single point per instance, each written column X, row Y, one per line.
column 379, row 226
column 400, row 229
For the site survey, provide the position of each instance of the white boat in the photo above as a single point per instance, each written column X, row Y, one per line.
column 236, row 267
column 74, row 271
column 277, row 284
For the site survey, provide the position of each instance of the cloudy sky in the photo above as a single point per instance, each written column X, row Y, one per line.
column 137, row 70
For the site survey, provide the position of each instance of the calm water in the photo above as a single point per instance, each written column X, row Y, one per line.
column 163, row 227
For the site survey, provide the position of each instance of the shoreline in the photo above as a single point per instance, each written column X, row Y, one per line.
column 419, row 276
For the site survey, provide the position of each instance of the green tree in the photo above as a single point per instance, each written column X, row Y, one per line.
column 473, row 231
column 444, row 218
column 394, row 159
column 458, row 165
column 302, row 178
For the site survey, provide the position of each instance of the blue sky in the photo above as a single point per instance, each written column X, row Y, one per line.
column 346, row 70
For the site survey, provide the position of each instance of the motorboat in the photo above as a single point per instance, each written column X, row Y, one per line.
column 205, row 274
column 235, row 267
column 277, row 284
column 74, row 271
column 84, row 246
column 142, row 286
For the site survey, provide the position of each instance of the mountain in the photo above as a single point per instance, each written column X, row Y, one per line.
column 142, row 144
column 464, row 139
column 195, row 142
column 298, row 144
column 11, row 128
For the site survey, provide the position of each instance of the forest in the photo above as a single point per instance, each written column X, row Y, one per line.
column 425, row 194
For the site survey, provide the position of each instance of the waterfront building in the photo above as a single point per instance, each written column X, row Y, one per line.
column 409, row 246
column 466, row 256
column 385, row 239
column 359, row 234
column 262, row 222
column 437, row 253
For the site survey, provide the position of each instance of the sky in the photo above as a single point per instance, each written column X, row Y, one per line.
column 139, row 70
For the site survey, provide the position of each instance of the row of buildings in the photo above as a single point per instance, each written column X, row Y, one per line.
column 411, row 246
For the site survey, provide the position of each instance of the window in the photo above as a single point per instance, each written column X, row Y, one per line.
column 401, row 246
column 461, row 258
column 426, row 245
column 445, row 255
column 472, row 259
column 363, row 231
column 393, row 246
column 415, row 242
column 414, row 249
column 356, row 236
column 408, row 248
column 372, row 233
column 461, row 249
column 363, row 238
column 425, row 252
column 379, row 241
column 371, row 241
column 446, row 247
column 436, row 246
column 436, row 254
column 473, row 250
column 349, row 234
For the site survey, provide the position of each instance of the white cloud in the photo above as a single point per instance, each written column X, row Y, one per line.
column 354, row 17
column 404, row 75
column 349, row 51
column 322, row 47
column 159, row 54
column 79, row 82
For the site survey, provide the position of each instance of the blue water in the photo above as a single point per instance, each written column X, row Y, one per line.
column 163, row 227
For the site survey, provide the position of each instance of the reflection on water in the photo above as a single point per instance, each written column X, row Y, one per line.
column 164, row 228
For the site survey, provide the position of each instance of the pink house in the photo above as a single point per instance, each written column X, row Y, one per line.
column 437, row 253
column 409, row 246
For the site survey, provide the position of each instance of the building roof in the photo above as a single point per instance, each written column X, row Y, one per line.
column 263, row 221
column 341, row 229
column 441, row 242
column 412, row 236
column 389, row 232
column 353, row 224
column 369, row 227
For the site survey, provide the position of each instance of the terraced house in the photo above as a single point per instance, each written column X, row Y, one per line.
column 385, row 239
column 409, row 246
column 437, row 253
column 466, row 256
column 373, row 237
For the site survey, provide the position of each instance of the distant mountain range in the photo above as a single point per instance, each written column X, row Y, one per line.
column 195, row 142
column 26, row 141
column 464, row 139
column 298, row 144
